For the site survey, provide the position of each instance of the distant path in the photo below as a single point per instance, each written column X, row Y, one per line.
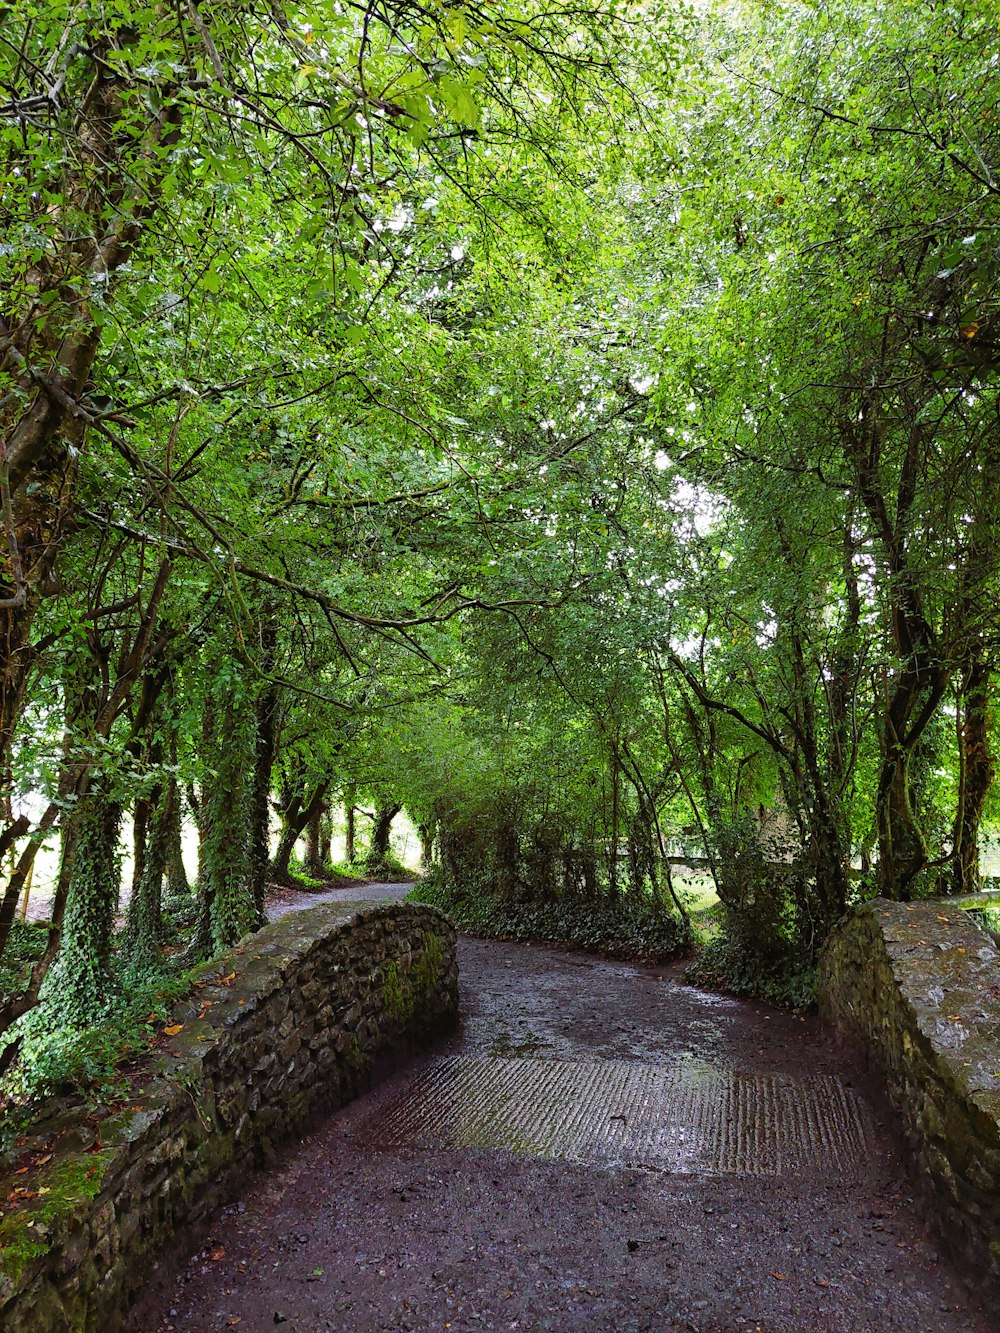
column 600, row 1148
column 285, row 900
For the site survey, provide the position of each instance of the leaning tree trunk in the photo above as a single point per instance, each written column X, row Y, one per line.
column 101, row 190
column 291, row 827
column 296, row 816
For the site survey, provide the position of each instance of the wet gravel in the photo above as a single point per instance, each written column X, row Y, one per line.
column 341, row 1235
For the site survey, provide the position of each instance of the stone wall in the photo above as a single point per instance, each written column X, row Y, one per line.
column 917, row 986
column 292, row 1022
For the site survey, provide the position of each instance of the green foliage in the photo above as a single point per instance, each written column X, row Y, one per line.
column 727, row 964
column 226, row 819
column 79, row 988
column 23, row 1230
column 578, row 430
column 612, row 930
column 62, row 1059
column 25, row 946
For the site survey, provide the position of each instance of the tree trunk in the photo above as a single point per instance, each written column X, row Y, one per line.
column 142, row 814
column 350, row 835
column 260, row 796
column 377, row 858
column 976, row 767
column 613, row 855
column 426, row 834
column 292, row 824
column 902, row 850
column 313, row 864
column 326, row 839
column 508, row 851
column 299, row 811
column 144, row 921
column 177, row 880
column 79, row 984
column 228, row 889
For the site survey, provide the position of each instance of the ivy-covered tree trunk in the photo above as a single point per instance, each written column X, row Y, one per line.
column 227, row 909
column 79, row 985
column 142, row 814
column 265, row 748
column 377, row 858
column 144, row 919
column 228, row 826
column 260, row 799
column 903, row 851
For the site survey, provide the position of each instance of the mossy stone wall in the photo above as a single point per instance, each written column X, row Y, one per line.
column 917, row 986
column 292, row 1022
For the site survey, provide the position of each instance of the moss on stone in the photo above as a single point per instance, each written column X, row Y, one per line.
column 427, row 969
column 23, row 1232
column 397, row 995
column 221, row 1092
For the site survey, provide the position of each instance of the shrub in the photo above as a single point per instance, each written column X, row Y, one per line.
column 728, row 964
column 614, row 929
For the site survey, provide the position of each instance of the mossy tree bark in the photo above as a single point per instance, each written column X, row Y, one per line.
column 79, row 985
column 233, row 910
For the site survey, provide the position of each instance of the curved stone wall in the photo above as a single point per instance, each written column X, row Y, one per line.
column 294, row 1021
column 917, row 986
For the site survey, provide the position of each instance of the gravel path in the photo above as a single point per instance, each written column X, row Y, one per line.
column 351, row 1233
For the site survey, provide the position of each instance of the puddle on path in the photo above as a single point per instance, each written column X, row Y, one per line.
column 690, row 1118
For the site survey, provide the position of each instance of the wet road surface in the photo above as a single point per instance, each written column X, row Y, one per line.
column 598, row 1148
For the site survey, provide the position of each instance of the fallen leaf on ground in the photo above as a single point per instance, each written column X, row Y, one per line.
column 218, row 1253
column 173, row 1029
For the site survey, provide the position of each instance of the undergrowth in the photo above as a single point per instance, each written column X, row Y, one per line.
column 723, row 964
column 623, row 929
column 69, row 1060
column 25, row 946
column 390, row 871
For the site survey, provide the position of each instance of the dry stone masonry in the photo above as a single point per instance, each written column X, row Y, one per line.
column 295, row 1021
column 917, row 985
